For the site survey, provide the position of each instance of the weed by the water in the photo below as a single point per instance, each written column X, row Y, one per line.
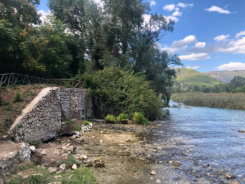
column 123, row 118
column 110, row 119
column 139, row 118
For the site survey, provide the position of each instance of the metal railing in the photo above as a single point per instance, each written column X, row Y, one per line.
column 8, row 79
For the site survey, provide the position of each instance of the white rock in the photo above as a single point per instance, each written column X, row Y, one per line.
column 153, row 172
column 52, row 169
column 62, row 167
column 32, row 148
column 74, row 166
column 83, row 157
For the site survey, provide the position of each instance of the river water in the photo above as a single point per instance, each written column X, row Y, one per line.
column 202, row 145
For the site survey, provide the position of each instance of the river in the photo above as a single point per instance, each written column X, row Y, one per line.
column 202, row 145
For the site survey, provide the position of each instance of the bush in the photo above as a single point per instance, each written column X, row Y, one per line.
column 140, row 118
column 69, row 161
column 123, row 118
column 110, row 119
column 115, row 90
column 80, row 176
column 36, row 179
column 86, row 123
column 18, row 97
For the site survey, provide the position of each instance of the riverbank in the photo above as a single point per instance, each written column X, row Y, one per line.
column 218, row 100
column 123, row 151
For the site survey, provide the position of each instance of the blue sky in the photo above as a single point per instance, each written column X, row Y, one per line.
column 208, row 34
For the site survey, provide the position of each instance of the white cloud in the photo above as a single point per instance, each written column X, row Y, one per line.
column 232, row 66
column 234, row 46
column 200, row 44
column 242, row 33
column 169, row 7
column 171, row 18
column 193, row 67
column 180, row 44
column 195, row 56
column 218, row 10
column 183, row 5
column 184, row 42
column 177, row 13
column 221, row 37
column 44, row 15
column 153, row 3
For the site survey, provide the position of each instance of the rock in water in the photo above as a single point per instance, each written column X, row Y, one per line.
column 230, row 176
column 153, row 172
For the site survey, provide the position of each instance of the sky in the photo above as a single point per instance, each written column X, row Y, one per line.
column 209, row 35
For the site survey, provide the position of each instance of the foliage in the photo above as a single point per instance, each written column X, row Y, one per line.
column 36, row 179
column 110, row 119
column 69, row 161
column 69, row 122
column 17, row 180
column 218, row 100
column 123, row 118
column 81, row 175
column 78, row 128
column 115, row 90
column 86, row 123
column 34, row 143
column 139, row 118
column 18, row 97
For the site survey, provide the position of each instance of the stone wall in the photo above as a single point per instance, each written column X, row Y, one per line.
column 43, row 117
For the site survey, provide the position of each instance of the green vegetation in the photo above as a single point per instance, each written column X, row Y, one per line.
column 115, row 90
column 110, row 119
column 43, row 176
column 219, row 100
column 69, row 122
column 139, row 118
column 189, row 80
column 86, row 122
column 18, row 97
column 69, row 161
column 84, row 40
column 80, row 176
column 34, row 143
column 123, row 118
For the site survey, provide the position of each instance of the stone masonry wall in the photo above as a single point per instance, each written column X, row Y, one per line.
column 42, row 118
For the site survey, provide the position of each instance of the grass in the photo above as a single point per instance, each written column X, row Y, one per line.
column 12, row 101
column 69, row 161
column 218, row 100
column 43, row 176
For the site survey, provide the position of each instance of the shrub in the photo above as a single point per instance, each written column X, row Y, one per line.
column 18, row 97
column 86, row 123
column 78, row 128
column 69, row 161
column 36, row 179
column 17, row 180
column 115, row 90
column 110, row 119
column 140, row 118
column 80, row 176
column 123, row 118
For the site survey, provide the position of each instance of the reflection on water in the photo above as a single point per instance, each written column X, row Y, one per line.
column 211, row 137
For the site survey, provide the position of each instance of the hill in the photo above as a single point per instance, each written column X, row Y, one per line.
column 226, row 76
column 191, row 77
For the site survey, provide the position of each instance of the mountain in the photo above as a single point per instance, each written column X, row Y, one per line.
column 191, row 77
column 226, row 76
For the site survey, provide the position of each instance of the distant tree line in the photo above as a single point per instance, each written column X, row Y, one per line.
column 236, row 85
